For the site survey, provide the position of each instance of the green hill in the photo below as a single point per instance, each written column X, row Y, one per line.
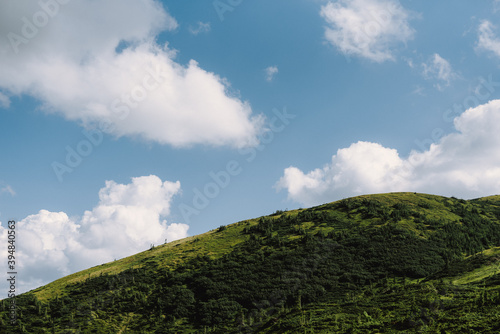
column 399, row 262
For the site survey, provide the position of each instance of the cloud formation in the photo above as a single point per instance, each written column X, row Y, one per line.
column 4, row 101
column 367, row 28
column 271, row 71
column 201, row 27
column 127, row 220
column 464, row 163
column 440, row 69
column 98, row 63
column 8, row 189
column 487, row 39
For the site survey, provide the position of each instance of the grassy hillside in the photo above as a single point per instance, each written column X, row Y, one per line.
column 399, row 262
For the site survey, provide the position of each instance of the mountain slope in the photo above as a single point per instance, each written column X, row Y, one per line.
column 374, row 263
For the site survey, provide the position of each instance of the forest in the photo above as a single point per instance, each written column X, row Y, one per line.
column 399, row 262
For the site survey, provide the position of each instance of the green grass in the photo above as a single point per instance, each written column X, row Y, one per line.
column 382, row 263
column 213, row 244
column 491, row 268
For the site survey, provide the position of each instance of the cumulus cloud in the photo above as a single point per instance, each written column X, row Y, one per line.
column 440, row 69
column 201, row 27
column 464, row 163
column 367, row 28
column 127, row 220
column 487, row 38
column 271, row 71
column 98, row 63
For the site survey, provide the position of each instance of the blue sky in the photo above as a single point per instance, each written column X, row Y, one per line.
column 288, row 103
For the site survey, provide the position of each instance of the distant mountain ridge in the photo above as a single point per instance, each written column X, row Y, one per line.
column 397, row 262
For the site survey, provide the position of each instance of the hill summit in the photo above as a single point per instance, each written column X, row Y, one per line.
column 398, row 262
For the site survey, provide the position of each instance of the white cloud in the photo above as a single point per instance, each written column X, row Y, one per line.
column 367, row 28
column 127, row 220
column 361, row 168
column 98, row 61
column 135, row 209
column 8, row 189
column 464, row 164
column 4, row 101
column 487, row 39
column 271, row 71
column 419, row 90
column 202, row 27
column 440, row 69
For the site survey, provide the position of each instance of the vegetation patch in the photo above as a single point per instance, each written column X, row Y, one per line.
column 400, row 262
